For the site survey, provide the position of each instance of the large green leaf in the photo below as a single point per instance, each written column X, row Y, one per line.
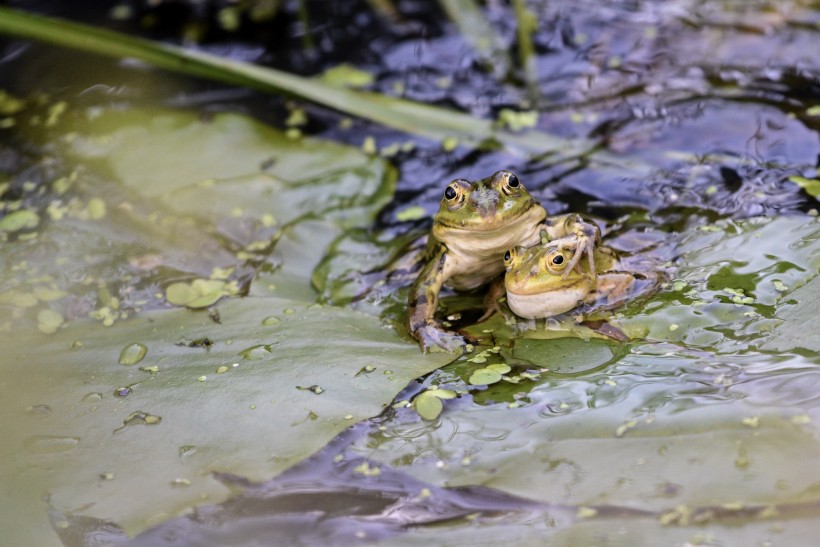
column 263, row 397
column 153, row 199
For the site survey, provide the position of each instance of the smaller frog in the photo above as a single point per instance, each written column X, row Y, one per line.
column 540, row 282
column 476, row 222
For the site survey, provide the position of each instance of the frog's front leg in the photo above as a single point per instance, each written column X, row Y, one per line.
column 575, row 232
column 423, row 302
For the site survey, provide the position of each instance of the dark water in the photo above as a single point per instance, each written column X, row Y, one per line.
column 709, row 108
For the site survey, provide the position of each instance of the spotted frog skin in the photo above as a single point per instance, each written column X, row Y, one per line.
column 475, row 224
column 540, row 283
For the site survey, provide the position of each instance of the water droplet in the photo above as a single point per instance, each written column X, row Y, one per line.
column 93, row 397
column 122, row 392
column 255, row 353
column 186, row 450
column 132, row 354
column 48, row 444
column 39, row 410
column 272, row 320
column 223, row 369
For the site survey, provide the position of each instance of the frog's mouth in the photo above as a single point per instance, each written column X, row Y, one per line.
column 490, row 242
column 493, row 224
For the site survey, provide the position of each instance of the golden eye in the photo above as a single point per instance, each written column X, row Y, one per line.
column 456, row 193
column 556, row 261
column 513, row 257
column 509, row 256
column 510, row 184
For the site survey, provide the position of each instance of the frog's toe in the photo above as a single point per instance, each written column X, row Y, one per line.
column 573, row 262
column 584, row 246
column 590, row 251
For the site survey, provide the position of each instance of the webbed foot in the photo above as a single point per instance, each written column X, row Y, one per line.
column 434, row 338
column 584, row 246
column 573, row 231
column 582, row 241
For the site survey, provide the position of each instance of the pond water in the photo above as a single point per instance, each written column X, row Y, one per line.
column 201, row 310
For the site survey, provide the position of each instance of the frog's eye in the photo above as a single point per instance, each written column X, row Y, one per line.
column 508, row 256
column 455, row 193
column 513, row 257
column 556, row 261
column 511, row 184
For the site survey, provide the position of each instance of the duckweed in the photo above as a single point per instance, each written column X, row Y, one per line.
column 48, row 321
column 19, row 220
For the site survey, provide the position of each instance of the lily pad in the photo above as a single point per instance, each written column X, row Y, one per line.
column 800, row 327
column 563, row 355
column 138, row 444
column 253, row 421
column 484, row 376
column 428, row 405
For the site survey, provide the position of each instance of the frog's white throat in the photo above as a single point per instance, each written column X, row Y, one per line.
column 546, row 304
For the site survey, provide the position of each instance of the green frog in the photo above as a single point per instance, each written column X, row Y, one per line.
column 540, row 283
column 475, row 224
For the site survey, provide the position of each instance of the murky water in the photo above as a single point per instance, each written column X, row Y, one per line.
column 703, row 429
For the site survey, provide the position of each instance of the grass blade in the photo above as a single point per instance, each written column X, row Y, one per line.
column 416, row 118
